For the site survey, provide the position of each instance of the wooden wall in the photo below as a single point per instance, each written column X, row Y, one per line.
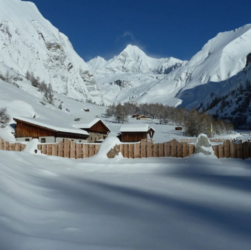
column 133, row 136
column 99, row 127
column 25, row 129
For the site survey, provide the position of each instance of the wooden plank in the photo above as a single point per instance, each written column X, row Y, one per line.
column 232, row 150
column 239, row 150
column 156, row 150
column 216, row 150
column 1, row 143
column 143, row 148
column 167, row 149
column 179, row 150
column 49, row 149
column 66, row 149
column 131, row 150
column 91, row 150
column 161, row 149
column 191, row 149
column 185, row 149
column 221, row 151
column 174, row 149
column 72, row 149
column 136, row 150
column 60, row 149
column 97, row 146
column 39, row 147
column 85, row 150
column 54, row 149
column 44, row 149
column 149, row 149
column 126, row 153
column 78, row 151
column 226, row 149
column 12, row 146
column 23, row 147
column 245, row 150
column 17, row 147
column 6, row 145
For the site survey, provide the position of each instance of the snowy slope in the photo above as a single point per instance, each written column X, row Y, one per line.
column 28, row 42
column 221, row 58
column 99, row 204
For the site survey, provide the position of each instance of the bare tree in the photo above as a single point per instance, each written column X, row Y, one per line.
column 48, row 94
column 4, row 117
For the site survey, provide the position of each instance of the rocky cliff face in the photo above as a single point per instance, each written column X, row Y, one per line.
column 29, row 42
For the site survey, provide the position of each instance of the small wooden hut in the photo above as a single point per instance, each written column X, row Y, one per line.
column 135, row 132
column 96, row 128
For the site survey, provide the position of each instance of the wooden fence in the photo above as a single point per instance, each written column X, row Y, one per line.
column 148, row 149
column 230, row 149
column 4, row 145
column 65, row 148
column 69, row 149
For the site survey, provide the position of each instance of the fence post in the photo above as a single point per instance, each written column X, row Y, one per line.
column 166, row 149
column 239, row 151
column 185, row 149
column 179, row 149
column 143, row 148
column 161, row 149
column 191, row 149
column 54, row 149
column 227, row 148
column 149, row 149
column 232, row 150
column 73, row 150
column 221, row 152
column 156, row 150
column 131, row 151
column 136, row 150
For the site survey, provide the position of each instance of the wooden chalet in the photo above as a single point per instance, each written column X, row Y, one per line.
column 32, row 128
column 96, row 128
column 135, row 132
column 135, row 115
column 142, row 117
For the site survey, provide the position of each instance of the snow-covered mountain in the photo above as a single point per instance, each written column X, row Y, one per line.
column 28, row 42
column 231, row 100
column 133, row 60
column 221, row 58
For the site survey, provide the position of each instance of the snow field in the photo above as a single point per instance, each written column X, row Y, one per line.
column 165, row 203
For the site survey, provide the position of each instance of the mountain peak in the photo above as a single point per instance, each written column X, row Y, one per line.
column 133, row 51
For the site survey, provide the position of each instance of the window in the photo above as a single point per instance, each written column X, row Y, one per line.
column 27, row 139
column 43, row 140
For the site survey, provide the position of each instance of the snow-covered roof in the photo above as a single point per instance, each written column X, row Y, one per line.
column 86, row 123
column 51, row 125
column 135, row 128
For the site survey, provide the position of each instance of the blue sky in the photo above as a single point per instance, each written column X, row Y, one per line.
column 162, row 28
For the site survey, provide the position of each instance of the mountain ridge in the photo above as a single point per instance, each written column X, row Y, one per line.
column 31, row 43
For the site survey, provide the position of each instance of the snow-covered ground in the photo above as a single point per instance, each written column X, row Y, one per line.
column 166, row 203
